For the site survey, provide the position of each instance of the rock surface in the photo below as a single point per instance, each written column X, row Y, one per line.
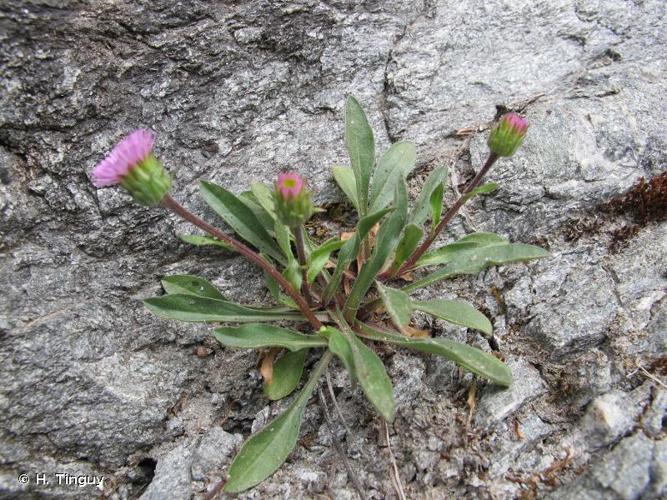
column 93, row 384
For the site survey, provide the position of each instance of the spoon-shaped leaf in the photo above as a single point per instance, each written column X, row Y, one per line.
column 470, row 358
column 459, row 313
column 185, row 307
column 191, row 285
column 258, row 336
column 287, row 372
column 263, row 453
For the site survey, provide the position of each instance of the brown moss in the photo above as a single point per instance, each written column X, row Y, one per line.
column 645, row 201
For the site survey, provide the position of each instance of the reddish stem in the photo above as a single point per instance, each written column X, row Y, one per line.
column 171, row 204
column 453, row 210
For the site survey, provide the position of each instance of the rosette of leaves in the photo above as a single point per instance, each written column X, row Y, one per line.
column 359, row 298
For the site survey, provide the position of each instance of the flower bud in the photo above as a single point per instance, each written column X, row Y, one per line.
column 292, row 199
column 507, row 135
column 132, row 164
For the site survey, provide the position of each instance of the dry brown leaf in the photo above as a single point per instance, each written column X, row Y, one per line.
column 415, row 333
column 266, row 364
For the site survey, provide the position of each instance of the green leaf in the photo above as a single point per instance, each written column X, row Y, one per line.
column 397, row 303
column 411, row 237
column 190, row 285
column 287, row 372
column 263, row 453
column 474, row 260
column 320, row 256
column 387, row 239
column 458, row 313
column 484, row 239
column 361, row 148
column 197, row 240
column 264, row 218
column 470, row 358
column 283, row 238
column 487, row 188
column 420, row 211
column 394, row 166
column 257, row 336
column 185, row 307
column 348, row 251
column 446, row 254
column 345, row 178
column 292, row 273
column 368, row 369
column 435, row 202
column 264, row 197
column 240, row 218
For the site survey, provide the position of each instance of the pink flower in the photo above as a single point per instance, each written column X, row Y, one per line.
column 124, row 157
column 289, row 185
column 507, row 135
column 517, row 123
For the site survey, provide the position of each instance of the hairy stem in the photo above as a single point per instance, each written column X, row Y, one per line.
column 171, row 204
column 301, row 255
column 453, row 210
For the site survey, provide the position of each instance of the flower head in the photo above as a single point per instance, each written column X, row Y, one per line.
column 126, row 155
column 289, row 185
column 132, row 164
column 507, row 135
column 292, row 199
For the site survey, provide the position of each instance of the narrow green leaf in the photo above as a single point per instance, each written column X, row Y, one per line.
column 257, row 336
column 366, row 367
column 446, row 254
column 348, row 251
column 420, row 211
column 320, row 256
column 469, row 357
column 394, row 166
column 487, row 188
column 264, row 218
column 339, row 345
column 184, row 307
column 272, row 285
column 344, row 177
column 190, row 285
column 474, row 260
column 484, row 239
column 283, row 238
column 263, row 453
column 458, row 313
column 397, row 303
column 287, row 373
column 292, row 273
column 411, row 237
column 435, row 202
column 240, row 218
column 264, row 197
column 197, row 240
column 361, row 148
column 387, row 239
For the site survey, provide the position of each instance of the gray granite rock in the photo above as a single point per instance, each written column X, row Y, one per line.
column 94, row 384
column 495, row 404
column 624, row 473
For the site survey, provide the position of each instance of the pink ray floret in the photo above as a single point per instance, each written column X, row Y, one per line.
column 289, row 185
column 517, row 122
column 129, row 152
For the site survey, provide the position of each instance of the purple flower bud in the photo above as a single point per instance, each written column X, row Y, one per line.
column 507, row 135
column 289, row 185
column 292, row 199
column 132, row 164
